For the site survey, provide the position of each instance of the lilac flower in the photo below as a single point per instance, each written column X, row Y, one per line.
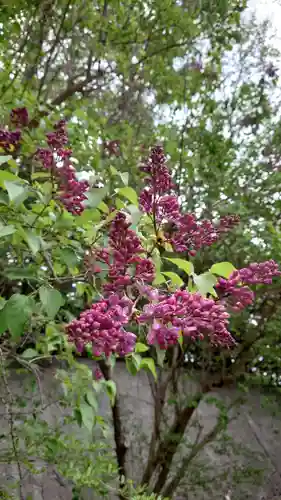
column 234, row 291
column 19, row 117
column 234, row 296
column 193, row 315
column 9, row 141
column 71, row 192
column 102, row 327
column 58, row 139
column 126, row 266
column 192, row 235
column 228, row 222
column 259, row 273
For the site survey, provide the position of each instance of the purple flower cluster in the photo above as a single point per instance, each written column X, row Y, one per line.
column 159, row 177
column 235, row 292
column 192, row 235
column 122, row 257
column 19, row 117
column 227, row 222
column 234, row 296
column 102, row 326
column 9, row 141
column 58, row 138
column 259, row 273
column 71, row 191
column 187, row 234
column 191, row 314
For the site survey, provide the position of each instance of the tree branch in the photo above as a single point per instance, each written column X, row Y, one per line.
column 119, row 437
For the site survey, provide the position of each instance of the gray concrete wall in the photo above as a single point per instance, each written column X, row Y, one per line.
column 253, row 427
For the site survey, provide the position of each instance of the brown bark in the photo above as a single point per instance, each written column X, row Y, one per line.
column 119, row 437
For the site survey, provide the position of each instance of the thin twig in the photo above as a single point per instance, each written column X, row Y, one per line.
column 9, row 408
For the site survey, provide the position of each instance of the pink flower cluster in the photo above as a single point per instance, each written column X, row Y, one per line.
column 192, row 235
column 71, row 191
column 235, row 292
column 191, row 314
column 259, row 273
column 123, row 257
column 234, row 296
column 102, row 326
column 187, row 234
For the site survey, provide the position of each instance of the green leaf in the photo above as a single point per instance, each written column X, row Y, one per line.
column 161, row 354
column 6, row 230
column 124, row 177
column 148, row 364
column 68, row 257
column 30, row 354
column 87, row 415
column 51, row 299
column 3, row 322
column 224, row 269
column 17, row 192
column 135, row 213
column 111, row 391
column 205, row 283
column 180, row 339
column 5, row 175
column 89, row 215
column 185, row 265
column 18, row 273
column 131, row 365
column 95, row 196
column 103, row 207
column 4, row 159
column 141, row 347
column 159, row 279
column 175, row 278
column 4, row 198
column 33, row 241
column 130, row 194
column 91, row 400
column 17, row 311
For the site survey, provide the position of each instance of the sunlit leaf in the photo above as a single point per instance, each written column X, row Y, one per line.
column 130, row 194
column 4, row 159
column 175, row 278
column 205, row 283
column 141, row 347
column 148, row 364
column 224, row 269
column 185, row 265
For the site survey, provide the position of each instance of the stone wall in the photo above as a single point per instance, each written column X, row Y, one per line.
column 253, row 427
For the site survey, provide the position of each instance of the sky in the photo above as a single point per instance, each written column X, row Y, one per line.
column 269, row 9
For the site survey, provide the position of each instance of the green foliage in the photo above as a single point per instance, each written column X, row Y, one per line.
column 222, row 135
